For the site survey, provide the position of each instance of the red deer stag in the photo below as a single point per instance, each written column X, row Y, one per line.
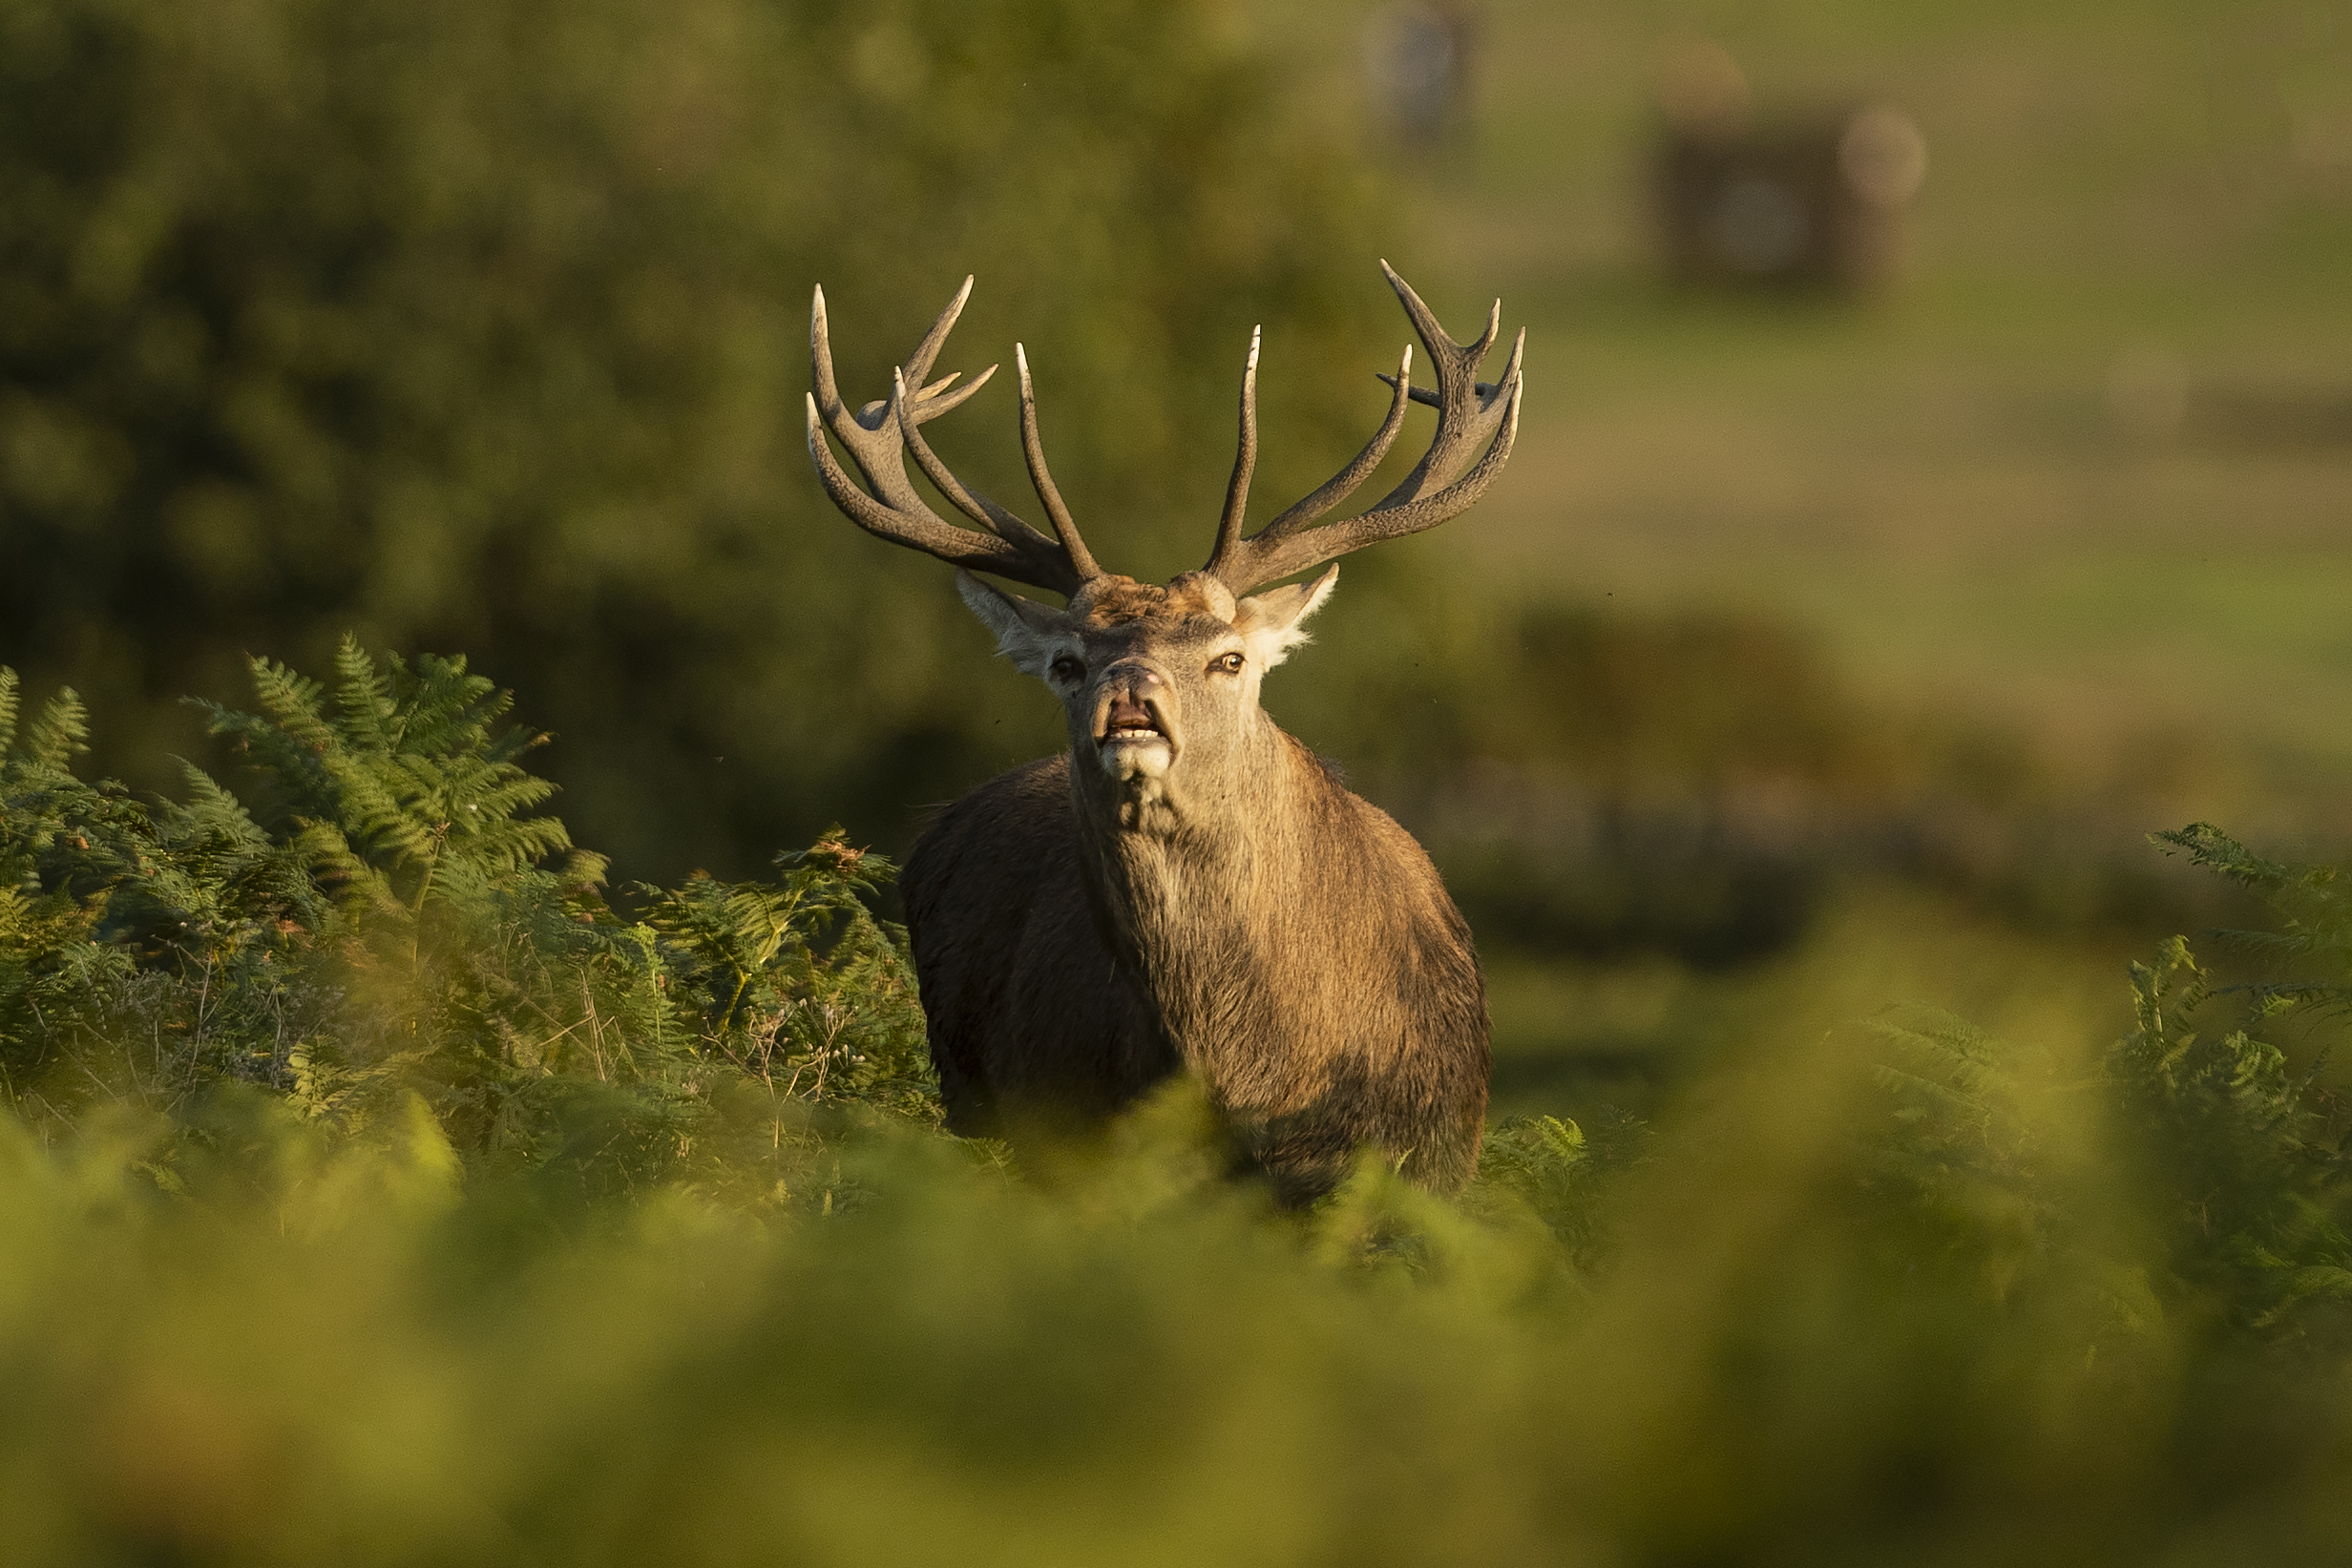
column 1186, row 888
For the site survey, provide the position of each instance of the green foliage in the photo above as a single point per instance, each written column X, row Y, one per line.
column 1964, row 1142
column 1549, row 1165
column 403, row 796
column 394, row 920
column 2314, row 908
column 2253, row 1155
column 484, row 324
column 2236, row 1159
column 2239, row 1157
column 798, row 980
column 618, row 1227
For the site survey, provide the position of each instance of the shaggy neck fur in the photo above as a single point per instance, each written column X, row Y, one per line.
column 1196, row 901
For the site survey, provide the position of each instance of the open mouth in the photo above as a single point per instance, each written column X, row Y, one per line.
column 1134, row 747
column 1129, row 722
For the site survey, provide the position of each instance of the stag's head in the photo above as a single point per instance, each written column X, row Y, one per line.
column 1159, row 685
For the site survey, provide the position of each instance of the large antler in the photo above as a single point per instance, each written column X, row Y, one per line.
column 1469, row 413
column 876, row 435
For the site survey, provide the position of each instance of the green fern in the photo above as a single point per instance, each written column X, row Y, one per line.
column 779, row 976
column 2258, row 1183
column 408, row 787
column 1968, row 1147
column 2315, row 909
column 393, row 916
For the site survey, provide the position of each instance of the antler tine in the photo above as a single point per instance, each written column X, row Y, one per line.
column 876, row 438
column 1463, row 418
column 929, row 402
column 918, row 363
column 1010, row 529
column 821, row 359
column 1245, row 461
column 1034, row 450
column 1469, row 413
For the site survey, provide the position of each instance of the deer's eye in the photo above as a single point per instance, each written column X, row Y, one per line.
column 1229, row 663
column 1067, row 670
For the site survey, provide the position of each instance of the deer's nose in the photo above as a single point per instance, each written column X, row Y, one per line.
column 1137, row 699
column 1140, row 681
column 1131, row 689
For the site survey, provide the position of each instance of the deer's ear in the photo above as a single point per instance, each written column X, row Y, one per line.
column 1025, row 629
column 1274, row 622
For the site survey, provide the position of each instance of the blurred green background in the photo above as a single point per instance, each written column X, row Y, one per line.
column 482, row 327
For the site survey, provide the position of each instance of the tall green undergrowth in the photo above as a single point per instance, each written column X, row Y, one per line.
column 380, row 913
column 379, row 1185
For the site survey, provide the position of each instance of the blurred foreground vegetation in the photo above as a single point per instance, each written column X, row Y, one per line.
column 376, row 1185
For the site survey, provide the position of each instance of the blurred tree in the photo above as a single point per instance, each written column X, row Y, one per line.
column 479, row 324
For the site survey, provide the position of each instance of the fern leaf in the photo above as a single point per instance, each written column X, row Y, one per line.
column 60, row 731
column 364, row 696
column 292, row 702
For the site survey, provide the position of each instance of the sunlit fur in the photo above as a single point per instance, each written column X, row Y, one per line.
column 1091, row 924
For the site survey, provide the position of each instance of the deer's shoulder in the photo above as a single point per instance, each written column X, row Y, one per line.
column 1000, row 834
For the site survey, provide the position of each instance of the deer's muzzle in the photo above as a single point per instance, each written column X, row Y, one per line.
column 1133, row 734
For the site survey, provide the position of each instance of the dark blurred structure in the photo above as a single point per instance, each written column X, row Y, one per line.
column 1808, row 200
column 1417, row 58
